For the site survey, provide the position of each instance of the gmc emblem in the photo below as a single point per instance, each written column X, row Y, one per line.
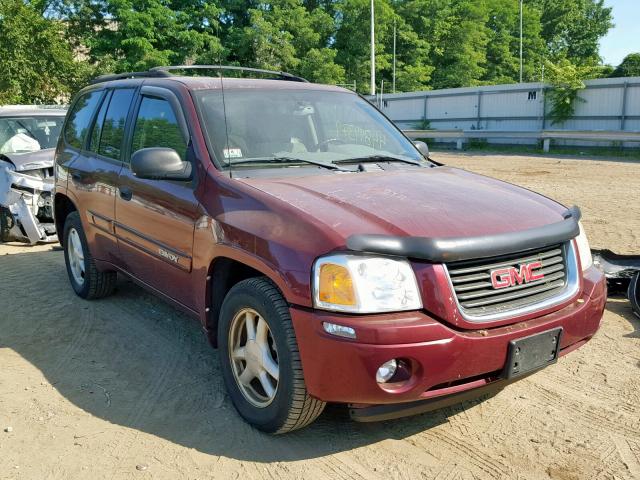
column 511, row 276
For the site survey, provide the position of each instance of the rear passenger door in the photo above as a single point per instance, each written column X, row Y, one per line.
column 155, row 219
column 93, row 174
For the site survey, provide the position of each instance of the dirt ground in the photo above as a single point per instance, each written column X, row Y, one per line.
column 128, row 387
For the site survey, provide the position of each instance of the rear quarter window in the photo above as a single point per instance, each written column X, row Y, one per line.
column 79, row 120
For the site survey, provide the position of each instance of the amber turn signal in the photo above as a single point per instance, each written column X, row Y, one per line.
column 336, row 286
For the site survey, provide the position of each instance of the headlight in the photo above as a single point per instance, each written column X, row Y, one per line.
column 364, row 284
column 584, row 251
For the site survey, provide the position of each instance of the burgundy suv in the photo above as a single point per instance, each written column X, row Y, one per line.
column 325, row 255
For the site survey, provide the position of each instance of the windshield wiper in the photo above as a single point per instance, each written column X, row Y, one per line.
column 378, row 158
column 281, row 160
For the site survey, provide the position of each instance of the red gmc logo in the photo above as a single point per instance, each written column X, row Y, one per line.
column 511, row 276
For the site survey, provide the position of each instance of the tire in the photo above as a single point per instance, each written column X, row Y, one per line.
column 290, row 407
column 634, row 294
column 87, row 281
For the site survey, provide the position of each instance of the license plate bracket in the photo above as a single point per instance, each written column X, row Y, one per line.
column 532, row 353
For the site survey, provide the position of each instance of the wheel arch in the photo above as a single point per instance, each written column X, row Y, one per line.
column 62, row 207
column 225, row 272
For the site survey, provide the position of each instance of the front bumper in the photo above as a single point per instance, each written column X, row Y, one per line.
column 445, row 361
column 26, row 209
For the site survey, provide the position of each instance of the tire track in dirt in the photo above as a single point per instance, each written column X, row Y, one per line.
column 595, row 417
column 171, row 360
column 78, row 340
column 484, row 464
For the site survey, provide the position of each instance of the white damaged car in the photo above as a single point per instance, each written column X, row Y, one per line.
column 28, row 137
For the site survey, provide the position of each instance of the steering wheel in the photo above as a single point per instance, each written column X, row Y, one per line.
column 322, row 146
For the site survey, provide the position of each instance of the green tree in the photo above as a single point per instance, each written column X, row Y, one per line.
column 36, row 63
column 503, row 45
column 284, row 35
column 566, row 81
column 132, row 35
column 462, row 36
column 353, row 39
column 630, row 66
column 573, row 28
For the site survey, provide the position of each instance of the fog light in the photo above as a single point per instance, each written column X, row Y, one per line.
column 339, row 330
column 386, row 371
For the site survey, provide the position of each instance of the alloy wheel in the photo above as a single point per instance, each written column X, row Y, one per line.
column 76, row 256
column 253, row 357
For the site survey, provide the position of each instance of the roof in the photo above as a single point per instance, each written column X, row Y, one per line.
column 32, row 110
column 159, row 75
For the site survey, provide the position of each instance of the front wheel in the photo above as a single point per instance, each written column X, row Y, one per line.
column 260, row 360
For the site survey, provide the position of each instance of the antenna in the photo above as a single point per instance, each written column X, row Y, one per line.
column 225, row 149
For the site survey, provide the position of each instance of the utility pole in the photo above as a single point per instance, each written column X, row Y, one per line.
column 520, row 41
column 373, row 53
column 394, row 54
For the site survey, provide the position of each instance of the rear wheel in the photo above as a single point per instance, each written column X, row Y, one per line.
column 87, row 281
column 260, row 359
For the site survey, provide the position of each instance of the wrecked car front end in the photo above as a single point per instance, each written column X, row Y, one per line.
column 622, row 273
column 26, row 184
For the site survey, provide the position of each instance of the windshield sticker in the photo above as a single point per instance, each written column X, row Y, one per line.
column 232, row 153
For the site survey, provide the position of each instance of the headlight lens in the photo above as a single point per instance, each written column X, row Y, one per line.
column 364, row 284
column 586, row 260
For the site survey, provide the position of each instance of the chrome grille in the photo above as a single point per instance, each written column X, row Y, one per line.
column 476, row 296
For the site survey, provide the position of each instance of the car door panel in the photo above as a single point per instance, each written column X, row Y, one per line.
column 93, row 180
column 155, row 219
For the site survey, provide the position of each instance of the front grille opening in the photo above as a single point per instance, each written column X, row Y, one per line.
column 477, row 297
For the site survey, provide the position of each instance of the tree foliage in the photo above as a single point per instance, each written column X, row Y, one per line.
column 630, row 66
column 439, row 43
column 36, row 63
column 566, row 82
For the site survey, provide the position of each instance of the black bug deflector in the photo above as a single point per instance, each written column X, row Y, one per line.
column 441, row 250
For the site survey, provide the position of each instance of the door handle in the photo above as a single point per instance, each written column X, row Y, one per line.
column 125, row 193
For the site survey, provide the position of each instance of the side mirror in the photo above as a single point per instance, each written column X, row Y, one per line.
column 159, row 163
column 422, row 148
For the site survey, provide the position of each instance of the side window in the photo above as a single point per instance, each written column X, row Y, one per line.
column 79, row 119
column 112, row 133
column 156, row 126
column 97, row 125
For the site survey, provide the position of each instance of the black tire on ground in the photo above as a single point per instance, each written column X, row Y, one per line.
column 292, row 407
column 634, row 294
column 95, row 284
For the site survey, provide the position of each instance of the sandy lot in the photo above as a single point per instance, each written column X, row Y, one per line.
column 128, row 387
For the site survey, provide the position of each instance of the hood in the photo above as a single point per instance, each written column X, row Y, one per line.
column 31, row 160
column 433, row 202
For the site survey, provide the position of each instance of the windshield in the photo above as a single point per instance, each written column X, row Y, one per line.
column 29, row 134
column 307, row 125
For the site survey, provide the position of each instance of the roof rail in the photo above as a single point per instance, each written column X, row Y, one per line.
column 165, row 72
column 121, row 76
column 280, row 75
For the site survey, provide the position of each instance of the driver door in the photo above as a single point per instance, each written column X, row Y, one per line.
column 155, row 219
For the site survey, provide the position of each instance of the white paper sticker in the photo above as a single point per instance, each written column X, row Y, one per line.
column 232, row 153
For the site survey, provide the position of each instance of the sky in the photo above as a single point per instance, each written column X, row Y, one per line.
column 624, row 37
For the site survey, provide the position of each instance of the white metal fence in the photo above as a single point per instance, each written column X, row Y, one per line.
column 611, row 104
